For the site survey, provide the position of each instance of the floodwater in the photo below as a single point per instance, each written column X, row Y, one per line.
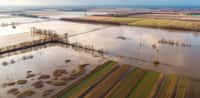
column 60, row 27
column 45, row 60
column 56, row 14
column 141, row 47
column 9, row 30
column 176, row 51
column 133, row 45
column 15, row 39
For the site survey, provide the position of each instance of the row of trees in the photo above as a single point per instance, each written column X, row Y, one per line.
column 50, row 34
column 87, row 47
column 174, row 43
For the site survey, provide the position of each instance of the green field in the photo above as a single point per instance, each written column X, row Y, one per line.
column 78, row 89
column 102, row 88
column 181, row 88
column 168, row 87
column 167, row 24
column 123, row 88
column 122, row 20
column 145, row 86
column 153, row 23
column 111, row 80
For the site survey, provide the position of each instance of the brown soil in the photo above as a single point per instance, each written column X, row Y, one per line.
column 30, row 75
column 25, row 94
column 67, row 61
column 47, row 92
column 21, row 82
column 13, row 91
column 38, row 84
column 44, row 77
column 59, row 72
column 29, row 71
column 64, row 78
column 58, row 82
column 10, row 83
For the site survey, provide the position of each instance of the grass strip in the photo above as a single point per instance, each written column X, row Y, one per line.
column 78, row 88
column 181, row 88
column 145, row 86
column 103, row 87
column 151, row 22
column 122, row 20
column 127, row 84
column 167, row 24
column 168, row 87
column 193, row 88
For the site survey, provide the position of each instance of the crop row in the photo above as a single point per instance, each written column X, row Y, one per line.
column 168, row 86
column 113, row 81
column 150, row 22
column 145, row 87
column 78, row 88
column 124, row 87
column 102, row 88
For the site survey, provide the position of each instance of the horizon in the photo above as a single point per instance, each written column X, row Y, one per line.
column 159, row 3
column 129, row 6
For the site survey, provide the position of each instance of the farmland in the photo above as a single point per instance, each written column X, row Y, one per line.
column 123, row 88
column 167, row 87
column 102, row 88
column 150, row 22
column 145, row 86
column 76, row 91
column 136, row 83
column 48, row 54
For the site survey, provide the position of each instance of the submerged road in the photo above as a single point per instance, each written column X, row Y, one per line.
column 90, row 31
column 20, row 23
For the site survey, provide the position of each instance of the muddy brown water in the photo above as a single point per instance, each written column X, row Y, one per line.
column 45, row 60
column 141, row 47
column 131, row 45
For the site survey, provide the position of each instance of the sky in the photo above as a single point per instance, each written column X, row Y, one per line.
column 99, row 2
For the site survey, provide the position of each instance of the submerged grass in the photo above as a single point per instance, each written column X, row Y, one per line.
column 145, row 86
column 76, row 90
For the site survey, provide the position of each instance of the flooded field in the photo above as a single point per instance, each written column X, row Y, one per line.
column 17, row 19
column 166, row 51
column 56, row 14
column 6, row 24
column 142, row 47
column 60, row 27
column 18, row 38
column 43, row 61
column 177, row 51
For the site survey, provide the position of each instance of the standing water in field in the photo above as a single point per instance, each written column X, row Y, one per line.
column 176, row 51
